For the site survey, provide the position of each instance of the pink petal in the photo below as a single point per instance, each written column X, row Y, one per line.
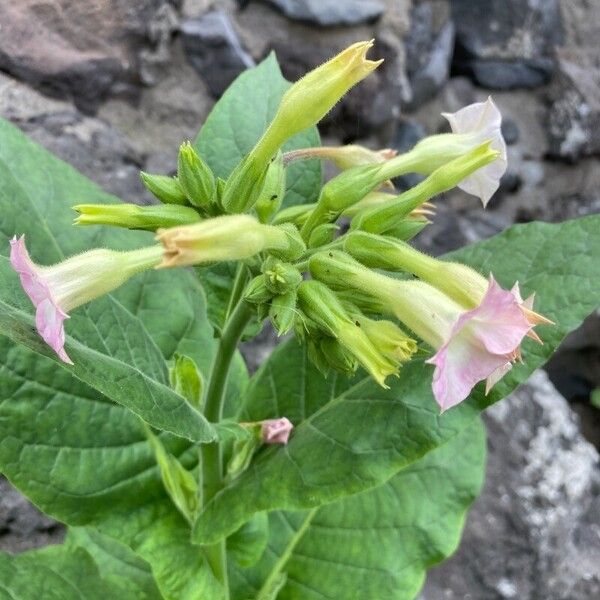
column 49, row 317
column 496, row 376
column 276, row 431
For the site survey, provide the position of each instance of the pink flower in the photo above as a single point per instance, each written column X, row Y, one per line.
column 481, row 122
column 57, row 289
column 482, row 344
column 276, row 431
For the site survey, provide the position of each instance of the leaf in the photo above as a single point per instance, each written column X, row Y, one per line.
column 66, row 573
column 76, row 454
column 249, row 542
column 332, row 453
column 377, row 544
column 241, row 116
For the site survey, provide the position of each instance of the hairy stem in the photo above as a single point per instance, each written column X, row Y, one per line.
column 211, row 453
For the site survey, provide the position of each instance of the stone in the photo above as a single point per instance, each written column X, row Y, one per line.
column 429, row 47
column 506, row 44
column 214, row 50
column 533, row 533
column 89, row 144
column 72, row 49
column 330, row 13
column 573, row 124
column 408, row 133
column 510, row 131
column 22, row 525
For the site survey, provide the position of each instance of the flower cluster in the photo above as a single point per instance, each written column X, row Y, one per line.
column 337, row 291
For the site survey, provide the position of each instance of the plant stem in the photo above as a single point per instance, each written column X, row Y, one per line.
column 211, row 453
column 287, row 553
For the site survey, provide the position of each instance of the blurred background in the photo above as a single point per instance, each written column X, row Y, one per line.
column 114, row 86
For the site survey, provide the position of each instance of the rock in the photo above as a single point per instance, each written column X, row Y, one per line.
column 329, row 13
column 574, row 115
column 214, row 50
column 506, row 44
column 429, row 46
column 22, row 525
column 510, row 131
column 89, row 144
column 407, row 135
column 73, row 49
column 534, row 531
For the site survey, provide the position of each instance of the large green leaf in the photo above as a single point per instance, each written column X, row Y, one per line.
column 356, row 439
column 71, row 572
column 239, row 119
column 76, row 454
column 377, row 544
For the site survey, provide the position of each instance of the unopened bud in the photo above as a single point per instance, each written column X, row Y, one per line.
column 273, row 191
column 232, row 237
column 257, row 292
column 195, row 176
column 276, row 431
column 280, row 277
column 322, row 235
column 166, row 189
column 294, row 247
column 283, row 312
column 133, row 216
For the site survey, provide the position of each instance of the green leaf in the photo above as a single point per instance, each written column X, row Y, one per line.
column 332, row 453
column 239, row 119
column 249, row 542
column 69, row 572
column 76, row 454
column 377, row 544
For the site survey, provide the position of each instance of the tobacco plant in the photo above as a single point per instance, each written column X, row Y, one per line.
column 345, row 466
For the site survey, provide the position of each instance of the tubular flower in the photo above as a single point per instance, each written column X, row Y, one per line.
column 471, row 345
column 58, row 289
column 276, row 431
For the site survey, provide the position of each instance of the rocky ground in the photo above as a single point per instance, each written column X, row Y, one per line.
column 114, row 87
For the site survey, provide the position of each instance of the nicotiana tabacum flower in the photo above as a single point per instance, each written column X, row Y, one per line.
column 471, row 345
column 276, row 431
column 56, row 290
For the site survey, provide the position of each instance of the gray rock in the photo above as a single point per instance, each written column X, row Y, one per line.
column 510, row 131
column 506, row 44
column 73, row 49
column 574, row 115
column 328, row 13
column 407, row 135
column 429, row 48
column 534, row 531
column 89, row 144
column 214, row 50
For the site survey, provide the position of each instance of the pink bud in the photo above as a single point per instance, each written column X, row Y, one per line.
column 276, row 431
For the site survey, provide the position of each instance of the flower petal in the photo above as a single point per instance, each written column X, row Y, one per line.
column 276, row 431
column 49, row 317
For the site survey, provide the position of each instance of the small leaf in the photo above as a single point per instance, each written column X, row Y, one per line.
column 186, row 380
column 249, row 542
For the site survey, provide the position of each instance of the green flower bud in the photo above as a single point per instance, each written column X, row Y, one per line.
column 257, row 291
column 337, row 356
column 243, row 451
column 187, row 380
column 294, row 247
column 195, row 176
column 322, row 235
column 283, row 312
column 383, row 218
column 322, row 306
column 409, row 228
column 273, row 191
column 179, row 483
column 280, row 277
column 166, row 189
column 133, row 216
column 296, row 215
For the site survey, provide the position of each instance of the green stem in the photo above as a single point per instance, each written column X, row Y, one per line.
column 287, row 553
column 239, row 283
column 211, row 453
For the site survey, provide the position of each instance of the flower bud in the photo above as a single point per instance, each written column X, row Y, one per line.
column 273, row 191
column 322, row 235
column 296, row 215
column 283, row 311
column 294, row 247
column 166, row 189
column 186, row 380
column 133, row 216
column 337, row 357
column 257, row 292
column 276, row 431
column 280, row 277
column 321, row 305
column 380, row 219
column 195, row 176
column 231, row 237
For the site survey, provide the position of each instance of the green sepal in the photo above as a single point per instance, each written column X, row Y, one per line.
column 195, row 177
column 280, row 277
column 166, row 189
column 283, row 311
column 322, row 235
column 273, row 191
